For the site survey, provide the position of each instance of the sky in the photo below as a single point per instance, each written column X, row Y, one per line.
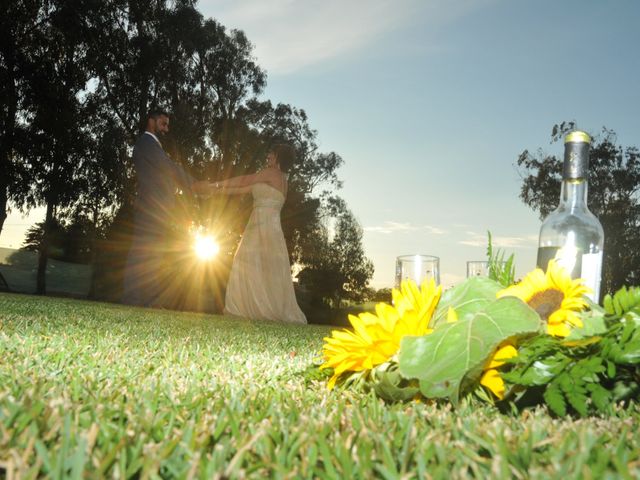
column 430, row 103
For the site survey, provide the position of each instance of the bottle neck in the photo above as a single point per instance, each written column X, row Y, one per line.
column 573, row 195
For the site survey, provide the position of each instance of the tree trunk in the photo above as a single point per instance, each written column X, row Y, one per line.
column 43, row 256
column 94, row 256
column 3, row 204
column 7, row 135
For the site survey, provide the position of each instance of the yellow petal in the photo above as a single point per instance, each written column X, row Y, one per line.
column 376, row 337
column 491, row 379
column 503, row 353
column 558, row 329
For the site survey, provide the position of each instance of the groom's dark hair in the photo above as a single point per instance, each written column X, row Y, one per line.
column 157, row 112
column 285, row 155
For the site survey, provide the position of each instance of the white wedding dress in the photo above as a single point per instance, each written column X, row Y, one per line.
column 260, row 285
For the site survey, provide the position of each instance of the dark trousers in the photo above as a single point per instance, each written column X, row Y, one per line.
column 144, row 274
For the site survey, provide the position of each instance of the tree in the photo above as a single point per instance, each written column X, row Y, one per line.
column 81, row 76
column 381, row 295
column 614, row 197
column 34, row 239
column 105, row 177
column 54, row 112
column 68, row 241
column 18, row 18
column 334, row 267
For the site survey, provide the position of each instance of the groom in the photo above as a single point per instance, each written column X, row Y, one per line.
column 158, row 178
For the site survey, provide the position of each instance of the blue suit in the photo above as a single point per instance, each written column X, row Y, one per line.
column 158, row 178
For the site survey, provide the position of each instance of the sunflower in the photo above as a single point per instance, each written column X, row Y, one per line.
column 415, row 307
column 490, row 376
column 554, row 295
column 376, row 337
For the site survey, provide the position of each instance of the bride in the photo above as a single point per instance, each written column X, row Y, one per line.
column 260, row 285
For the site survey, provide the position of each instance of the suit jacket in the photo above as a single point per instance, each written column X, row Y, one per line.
column 158, row 178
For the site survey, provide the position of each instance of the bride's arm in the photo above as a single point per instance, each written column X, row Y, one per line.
column 244, row 180
column 232, row 190
column 243, row 183
column 220, row 188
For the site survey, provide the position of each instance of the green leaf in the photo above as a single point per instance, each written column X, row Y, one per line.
column 392, row 386
column 608, row 304
column 578, row 400
column 313, row 373
column 500, row 270
column 539, row 373
column 623, row 297
column 592, row 324
column 632, row 318
column 623, row 301
column 601, row 397
column 624, row 389
column 630, row 353
column 443, row 359
column 617, row 308
column 555, row 399
column 466, row 299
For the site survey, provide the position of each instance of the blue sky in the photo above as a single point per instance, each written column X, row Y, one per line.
column 430, row 103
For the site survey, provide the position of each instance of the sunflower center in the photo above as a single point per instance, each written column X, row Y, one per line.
column 546, row 302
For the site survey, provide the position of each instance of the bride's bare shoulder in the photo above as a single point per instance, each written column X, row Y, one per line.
column 271, row 175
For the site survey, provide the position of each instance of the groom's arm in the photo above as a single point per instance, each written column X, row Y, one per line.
column 187, row 183
column 183, row 180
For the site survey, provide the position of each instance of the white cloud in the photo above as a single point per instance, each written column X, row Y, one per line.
column 480, row 240
column 395, row 227
column 292, row 34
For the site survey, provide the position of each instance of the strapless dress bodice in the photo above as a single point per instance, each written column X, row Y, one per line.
column 264, row 195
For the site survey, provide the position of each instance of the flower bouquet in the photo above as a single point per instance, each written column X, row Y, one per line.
column 537, row 341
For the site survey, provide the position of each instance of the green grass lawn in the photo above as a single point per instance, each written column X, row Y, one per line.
column 91, row 390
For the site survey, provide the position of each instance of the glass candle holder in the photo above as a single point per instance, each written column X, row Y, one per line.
column 477, row 268
column 417, row 268
column 480, row 268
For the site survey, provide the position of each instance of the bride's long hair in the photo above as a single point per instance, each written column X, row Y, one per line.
column 285, row 156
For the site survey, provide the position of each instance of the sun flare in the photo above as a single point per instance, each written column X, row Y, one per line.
column 205, row 247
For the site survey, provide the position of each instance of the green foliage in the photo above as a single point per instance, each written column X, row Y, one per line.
column 451, row 359
column 68, row 242
column 335, row 269
column 623, row 301
column 584, row 374
column 501, row 270
column 312, row 374
column 593, row 324
column 388, row 383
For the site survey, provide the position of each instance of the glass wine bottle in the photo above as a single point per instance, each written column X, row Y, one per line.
column 571, row 234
